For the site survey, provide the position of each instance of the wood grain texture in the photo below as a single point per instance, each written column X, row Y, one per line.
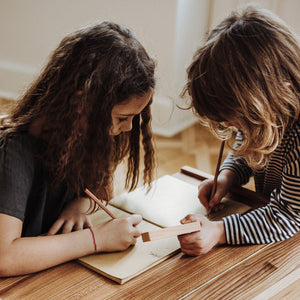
column 283, row 289
column 171, row 279
column 259, row 272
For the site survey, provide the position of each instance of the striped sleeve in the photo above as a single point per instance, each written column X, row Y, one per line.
column 237, row 163
column 277, row 221
column 239, row 166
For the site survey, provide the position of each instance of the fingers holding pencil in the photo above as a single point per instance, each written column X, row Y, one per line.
column 210, row 204
column 117, row 234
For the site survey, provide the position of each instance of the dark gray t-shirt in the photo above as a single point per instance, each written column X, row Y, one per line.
column 24, row 191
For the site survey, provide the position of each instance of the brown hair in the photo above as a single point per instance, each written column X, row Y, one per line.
column 248, row 72
column 91, row 70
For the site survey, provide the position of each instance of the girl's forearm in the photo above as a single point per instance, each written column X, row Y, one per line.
column 32, row 254
column 229, row 176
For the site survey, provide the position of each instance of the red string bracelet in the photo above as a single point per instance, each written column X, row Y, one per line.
column 94, row 240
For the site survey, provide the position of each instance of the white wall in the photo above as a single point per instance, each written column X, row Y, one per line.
column 288, row 10
column 31, row 29
column 171, row 31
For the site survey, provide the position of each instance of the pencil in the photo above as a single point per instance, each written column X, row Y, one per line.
column 214, row 187
column 92, row 196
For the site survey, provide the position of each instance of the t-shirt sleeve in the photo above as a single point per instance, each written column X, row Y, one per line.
column 16, row 176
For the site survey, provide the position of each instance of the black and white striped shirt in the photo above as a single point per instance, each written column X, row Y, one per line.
column 280, row 180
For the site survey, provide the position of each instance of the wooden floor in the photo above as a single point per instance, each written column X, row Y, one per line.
column 195, row 147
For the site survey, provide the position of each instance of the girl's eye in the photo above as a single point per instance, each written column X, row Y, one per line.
column 123, row 119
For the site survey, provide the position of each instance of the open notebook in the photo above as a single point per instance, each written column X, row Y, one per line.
column 169, row 200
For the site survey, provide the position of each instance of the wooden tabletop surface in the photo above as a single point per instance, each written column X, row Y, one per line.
column 269, row 271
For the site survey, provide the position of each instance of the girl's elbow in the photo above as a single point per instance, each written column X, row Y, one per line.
column 7, row 266
column 5, row 270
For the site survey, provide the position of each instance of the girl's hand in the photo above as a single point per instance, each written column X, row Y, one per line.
column 73, row 217
column 225, row 180
column 117, row 234
column 201, row 242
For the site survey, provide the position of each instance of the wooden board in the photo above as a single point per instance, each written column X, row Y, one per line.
column 170, row 231
column 267, row 271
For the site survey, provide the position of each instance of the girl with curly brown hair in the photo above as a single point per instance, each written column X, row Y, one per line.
column 87, row 111
column 244, row 83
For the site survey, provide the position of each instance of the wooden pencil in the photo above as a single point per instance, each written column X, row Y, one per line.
column 93, row 197
column 214, row 187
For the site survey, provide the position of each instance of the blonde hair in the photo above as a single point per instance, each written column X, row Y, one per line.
column 248, row 72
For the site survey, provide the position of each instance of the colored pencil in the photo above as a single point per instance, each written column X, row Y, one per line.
column 93, row 197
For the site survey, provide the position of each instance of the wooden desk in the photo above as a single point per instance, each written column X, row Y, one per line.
column 224, row 273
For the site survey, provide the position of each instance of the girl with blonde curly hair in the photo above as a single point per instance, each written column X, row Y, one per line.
column 244, row 84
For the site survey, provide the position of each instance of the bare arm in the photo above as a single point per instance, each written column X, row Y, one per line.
column 22, row 255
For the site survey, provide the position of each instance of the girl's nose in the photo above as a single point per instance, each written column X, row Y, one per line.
column 127, row 126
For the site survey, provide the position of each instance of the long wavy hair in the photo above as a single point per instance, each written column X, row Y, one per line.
column 247, row 72
column 91, row 71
